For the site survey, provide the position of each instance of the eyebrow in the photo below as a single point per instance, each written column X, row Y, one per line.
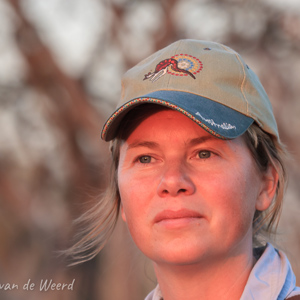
column 148, row 144
column 200, row 140
column 154, row 145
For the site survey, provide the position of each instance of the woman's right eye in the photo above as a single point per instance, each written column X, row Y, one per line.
column 203, row 154
column 145, row 159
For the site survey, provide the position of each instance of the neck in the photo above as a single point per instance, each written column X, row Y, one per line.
column 213, row 280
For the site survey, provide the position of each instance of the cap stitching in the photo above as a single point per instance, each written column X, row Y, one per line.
column 243, row 82
column 244, row 74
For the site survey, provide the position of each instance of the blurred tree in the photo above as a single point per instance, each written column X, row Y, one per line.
column 52, row 162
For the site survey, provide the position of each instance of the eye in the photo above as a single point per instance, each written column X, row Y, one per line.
column 204, row 154
column 145, row 159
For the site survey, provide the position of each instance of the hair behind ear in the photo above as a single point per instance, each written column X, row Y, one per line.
column 269, row 155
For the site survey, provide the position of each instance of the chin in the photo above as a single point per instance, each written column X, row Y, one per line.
column 181, row 255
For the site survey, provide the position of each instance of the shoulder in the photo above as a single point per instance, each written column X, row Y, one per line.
column 150, row 296
column 295, row 294
column 272, row 276
column 155, row 294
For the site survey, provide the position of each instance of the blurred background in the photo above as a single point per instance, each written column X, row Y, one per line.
column 60, row 69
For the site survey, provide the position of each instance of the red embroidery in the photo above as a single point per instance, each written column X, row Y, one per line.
column 179, row 65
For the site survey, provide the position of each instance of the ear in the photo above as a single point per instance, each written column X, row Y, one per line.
column 268, row 189
column 123, row 213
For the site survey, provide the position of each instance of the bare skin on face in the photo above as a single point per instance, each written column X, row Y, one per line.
column 189, row 199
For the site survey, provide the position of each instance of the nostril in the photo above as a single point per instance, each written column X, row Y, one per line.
column 165, row 192
column 175, row 182
column 178, row 192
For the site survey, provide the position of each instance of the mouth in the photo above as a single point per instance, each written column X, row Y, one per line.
column 181, row 216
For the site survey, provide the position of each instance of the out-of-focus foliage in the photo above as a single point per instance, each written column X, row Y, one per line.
column 60, row 69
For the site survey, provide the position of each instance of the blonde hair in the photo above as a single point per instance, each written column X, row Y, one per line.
column 97, row 224
column 267, row 151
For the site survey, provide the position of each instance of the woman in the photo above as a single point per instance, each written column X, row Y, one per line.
column 197, row 175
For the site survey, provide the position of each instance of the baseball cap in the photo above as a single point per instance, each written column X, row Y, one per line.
column 206, row 81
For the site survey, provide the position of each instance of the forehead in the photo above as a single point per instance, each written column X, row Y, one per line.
column 169, row 127
column 161, row 123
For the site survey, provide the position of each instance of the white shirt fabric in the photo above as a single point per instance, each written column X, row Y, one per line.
column 271, row 278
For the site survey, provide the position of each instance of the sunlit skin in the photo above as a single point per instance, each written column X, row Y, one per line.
column 189, row 199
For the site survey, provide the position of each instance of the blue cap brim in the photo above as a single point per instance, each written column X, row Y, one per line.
column 218, row 119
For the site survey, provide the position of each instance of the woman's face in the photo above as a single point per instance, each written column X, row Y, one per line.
column 188, row 197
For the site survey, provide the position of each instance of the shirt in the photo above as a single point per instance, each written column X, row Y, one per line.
column 271, row 278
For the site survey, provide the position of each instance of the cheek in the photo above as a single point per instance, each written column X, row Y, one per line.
column 134, row 210
column 127, row 196
column 235, row 198
column 129, row 209
column 135, row 194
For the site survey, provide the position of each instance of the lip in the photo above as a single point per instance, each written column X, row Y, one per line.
column 171, row 215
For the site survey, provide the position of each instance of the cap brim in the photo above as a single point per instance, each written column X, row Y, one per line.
column 217, row 119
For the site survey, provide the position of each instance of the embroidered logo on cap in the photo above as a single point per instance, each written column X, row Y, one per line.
column 224, row 126
column 178, row 65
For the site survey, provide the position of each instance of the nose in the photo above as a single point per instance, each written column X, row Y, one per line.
column 175, row 181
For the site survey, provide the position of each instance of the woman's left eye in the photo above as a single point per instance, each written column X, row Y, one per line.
column 204, row 154
column 145, row 159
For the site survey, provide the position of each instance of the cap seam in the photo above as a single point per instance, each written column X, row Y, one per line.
column 244, row 76
column 243, row 82
column 169, row 79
